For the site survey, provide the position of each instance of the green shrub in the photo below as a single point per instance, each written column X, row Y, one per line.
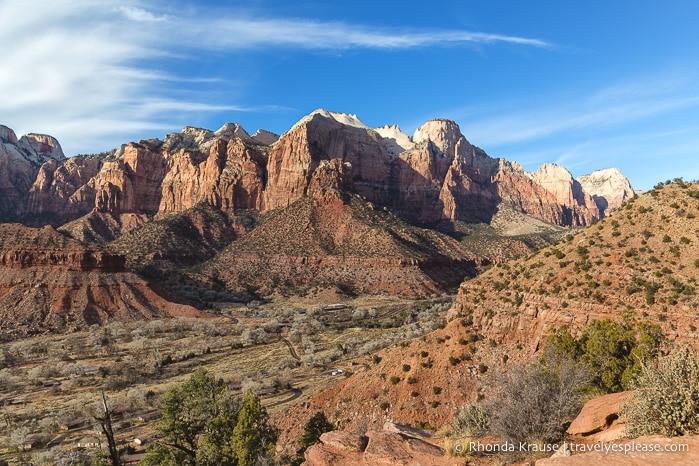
column 394, row 379
column 406, row 367
column 614, row 351
column 436, row 390
column 666, row 400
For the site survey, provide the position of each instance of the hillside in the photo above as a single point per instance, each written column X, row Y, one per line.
column 52, row 283
column 642, row 261
column 351, row 245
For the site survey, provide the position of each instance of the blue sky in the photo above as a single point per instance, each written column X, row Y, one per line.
column 585, row 84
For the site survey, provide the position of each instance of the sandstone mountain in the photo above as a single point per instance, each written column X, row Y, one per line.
column 339, row 204
column 608, row 187
column 642, row 261
column 434, row 176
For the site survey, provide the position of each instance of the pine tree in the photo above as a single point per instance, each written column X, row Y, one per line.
column 253, row 438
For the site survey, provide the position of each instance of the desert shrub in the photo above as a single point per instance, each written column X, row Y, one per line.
column 394, row 379
column 533, row 403
column 436, row 390
column 666, row 400
column 406, row 367
column 472, row 420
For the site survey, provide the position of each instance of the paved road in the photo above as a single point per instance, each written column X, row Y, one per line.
column 291, row 349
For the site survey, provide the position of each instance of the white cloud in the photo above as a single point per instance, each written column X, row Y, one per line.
column 256, row 32
column 83, row 70
column 140, row 15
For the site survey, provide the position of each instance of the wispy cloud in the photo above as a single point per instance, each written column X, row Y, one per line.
column 615, row 105
column 88, row 67
column 261, row 32
column 140, row 15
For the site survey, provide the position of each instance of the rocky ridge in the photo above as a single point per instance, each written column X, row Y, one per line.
column 434, row 176
column 50, row 282
column 639, row 262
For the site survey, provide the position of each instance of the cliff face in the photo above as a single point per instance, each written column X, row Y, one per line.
column 609, row 188
column 435, row 176
column 20, row 160
column 579, row 208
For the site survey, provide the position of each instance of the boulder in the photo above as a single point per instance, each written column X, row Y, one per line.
column 598, row 414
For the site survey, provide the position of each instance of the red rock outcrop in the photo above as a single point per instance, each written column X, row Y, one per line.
column 232, row 176
column 600, row 418
column 377, row 447
column 49, row 282
column 61, row 190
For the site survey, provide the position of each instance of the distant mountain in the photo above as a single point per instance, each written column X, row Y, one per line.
column 329, row 203
column 434, row 176
column 608, row 187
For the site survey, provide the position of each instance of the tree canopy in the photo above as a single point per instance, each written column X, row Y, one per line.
column 203, row 425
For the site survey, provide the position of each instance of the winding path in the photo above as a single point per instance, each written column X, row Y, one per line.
column 291, row 348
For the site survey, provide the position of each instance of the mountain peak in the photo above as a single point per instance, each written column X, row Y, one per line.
column 232, row 130
column 608, row 187
column 441, row 132
column 33, row 148
column 396, row 140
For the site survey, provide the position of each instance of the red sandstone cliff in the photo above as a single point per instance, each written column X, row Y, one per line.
column 49, row 282
column 435, row 176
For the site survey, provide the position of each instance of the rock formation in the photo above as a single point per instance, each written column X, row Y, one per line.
column 579, row 207
column 609, row 188
column 392, row 445
column 49, row 282
column 19, row 163
column 434, row 177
